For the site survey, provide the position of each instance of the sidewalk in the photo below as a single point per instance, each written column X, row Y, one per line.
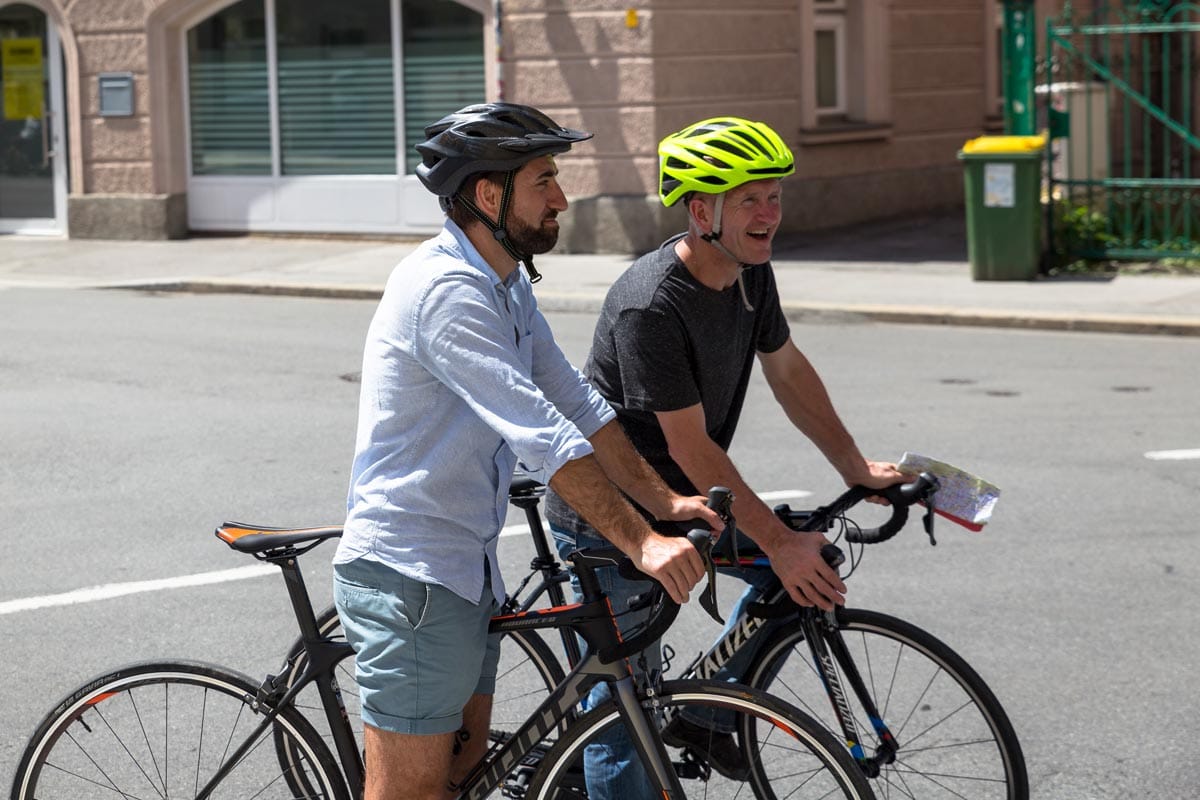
column 897, row 272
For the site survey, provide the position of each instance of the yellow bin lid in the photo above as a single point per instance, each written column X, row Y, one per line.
column 1004, row 144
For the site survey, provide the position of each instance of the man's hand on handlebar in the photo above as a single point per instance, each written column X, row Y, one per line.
column 694, row 510
column 797, row 560
column 673, row 561
column 877, row 475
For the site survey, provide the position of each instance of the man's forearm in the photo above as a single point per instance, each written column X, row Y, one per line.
column 625, row 467
column 705, row 463
column 803, row 397
column 586, row 487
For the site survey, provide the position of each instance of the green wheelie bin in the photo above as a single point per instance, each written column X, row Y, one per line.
column 1002, row 178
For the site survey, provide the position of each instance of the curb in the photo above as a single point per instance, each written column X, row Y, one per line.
column 989, row 318
column 795, row 312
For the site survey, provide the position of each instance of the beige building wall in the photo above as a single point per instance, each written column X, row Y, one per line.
column 631, row 73
column 117, row 186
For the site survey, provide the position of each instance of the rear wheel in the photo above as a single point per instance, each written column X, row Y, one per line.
column 954, row 739
column 164, row 730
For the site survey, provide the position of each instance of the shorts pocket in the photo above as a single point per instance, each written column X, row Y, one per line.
column 413, row 601
column 356, row 577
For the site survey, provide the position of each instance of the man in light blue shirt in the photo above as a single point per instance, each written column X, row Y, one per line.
column 461, row 381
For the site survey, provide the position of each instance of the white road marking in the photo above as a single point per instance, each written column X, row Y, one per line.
column 1173, row 455
column 112, row 590
column 767, row 497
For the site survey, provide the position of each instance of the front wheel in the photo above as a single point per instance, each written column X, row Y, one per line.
column 164, row 730
column 953, row 738
column 788, row 756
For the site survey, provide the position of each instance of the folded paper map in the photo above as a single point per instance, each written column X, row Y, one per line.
column 961, row 497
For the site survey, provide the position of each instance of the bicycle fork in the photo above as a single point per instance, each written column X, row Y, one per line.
column 830, row 654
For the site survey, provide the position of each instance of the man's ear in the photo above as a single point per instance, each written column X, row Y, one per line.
column 487, row 196
column 700, row 212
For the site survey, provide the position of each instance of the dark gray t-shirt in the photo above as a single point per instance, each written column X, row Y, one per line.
column 665, row 341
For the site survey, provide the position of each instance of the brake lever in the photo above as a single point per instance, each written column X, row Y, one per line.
column 720, row 500
column 708, row 597
column 930, row 513
column 703, row 542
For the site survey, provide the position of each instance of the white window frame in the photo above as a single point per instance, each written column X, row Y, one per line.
column 863, row 109
column 835, row 22
column 356, row 204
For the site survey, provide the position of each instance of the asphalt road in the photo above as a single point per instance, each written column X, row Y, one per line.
column 133, row 423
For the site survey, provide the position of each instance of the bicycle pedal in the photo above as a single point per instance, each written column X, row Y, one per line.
column 692, row 767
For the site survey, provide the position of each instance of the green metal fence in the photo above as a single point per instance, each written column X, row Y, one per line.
column 1122, row 102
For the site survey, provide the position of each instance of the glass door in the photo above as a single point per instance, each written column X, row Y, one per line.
column 32, row 153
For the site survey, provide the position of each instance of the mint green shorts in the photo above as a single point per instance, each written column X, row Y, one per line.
column 420, row 650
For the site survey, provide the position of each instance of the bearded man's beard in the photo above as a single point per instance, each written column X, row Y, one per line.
column 528, row 239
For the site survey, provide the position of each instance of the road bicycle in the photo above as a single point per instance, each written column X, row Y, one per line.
column 175, row 729
column 918, row 719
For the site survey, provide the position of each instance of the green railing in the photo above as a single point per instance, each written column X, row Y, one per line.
column 1123, row 172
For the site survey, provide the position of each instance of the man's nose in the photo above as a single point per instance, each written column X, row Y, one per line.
column 557, row 198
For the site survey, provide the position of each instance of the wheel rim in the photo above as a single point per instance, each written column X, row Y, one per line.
column 164, row 735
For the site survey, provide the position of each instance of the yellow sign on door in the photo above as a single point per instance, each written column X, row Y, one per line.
column 23, row 76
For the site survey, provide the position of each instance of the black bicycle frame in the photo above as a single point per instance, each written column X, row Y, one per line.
column 594, row 622
column 322, row 656
column 603, row 660
column 526, row 496
column 826, row 646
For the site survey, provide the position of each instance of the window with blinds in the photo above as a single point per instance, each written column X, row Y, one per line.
column 335, row 84
column 229, row 92
column 337, row 110
column 443, row 66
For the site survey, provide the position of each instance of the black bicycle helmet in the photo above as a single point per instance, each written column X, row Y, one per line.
column 489, row 137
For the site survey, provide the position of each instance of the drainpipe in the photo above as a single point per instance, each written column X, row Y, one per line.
column 1019, row 43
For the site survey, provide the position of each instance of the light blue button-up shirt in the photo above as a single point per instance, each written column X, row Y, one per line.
column 461, row 379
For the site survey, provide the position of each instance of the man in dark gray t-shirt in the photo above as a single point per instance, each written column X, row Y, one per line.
column 672, row 353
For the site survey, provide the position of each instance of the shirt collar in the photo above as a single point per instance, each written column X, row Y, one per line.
column 453, row 239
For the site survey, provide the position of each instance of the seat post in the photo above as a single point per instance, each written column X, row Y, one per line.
column 306, row 618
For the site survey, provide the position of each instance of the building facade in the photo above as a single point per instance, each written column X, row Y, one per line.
column 150, row 119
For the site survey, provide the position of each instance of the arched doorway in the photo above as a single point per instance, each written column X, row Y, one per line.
column 33, row 152
column 302, row 114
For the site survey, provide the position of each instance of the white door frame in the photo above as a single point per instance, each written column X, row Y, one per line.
column 56, row 145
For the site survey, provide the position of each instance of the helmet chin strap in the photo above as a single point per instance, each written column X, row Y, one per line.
column 714, row 238
column 497, row 228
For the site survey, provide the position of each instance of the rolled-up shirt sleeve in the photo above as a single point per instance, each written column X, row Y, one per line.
column 464, row 342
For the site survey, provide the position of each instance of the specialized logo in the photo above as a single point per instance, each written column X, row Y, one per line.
column 733, row 641
column 839, row 697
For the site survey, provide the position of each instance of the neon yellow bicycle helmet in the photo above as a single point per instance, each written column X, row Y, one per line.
column 717, row 154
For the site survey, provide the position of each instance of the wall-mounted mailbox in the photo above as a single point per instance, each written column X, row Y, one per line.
column 116, row 94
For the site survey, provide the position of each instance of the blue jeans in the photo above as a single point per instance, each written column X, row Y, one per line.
column 611, row 766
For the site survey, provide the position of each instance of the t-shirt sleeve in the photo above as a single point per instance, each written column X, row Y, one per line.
column 774, row 331
column 653, row 356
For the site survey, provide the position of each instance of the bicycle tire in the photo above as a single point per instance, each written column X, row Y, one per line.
column 955, row 739
column 162, row 729
column 795, row 757
column 528, row 671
